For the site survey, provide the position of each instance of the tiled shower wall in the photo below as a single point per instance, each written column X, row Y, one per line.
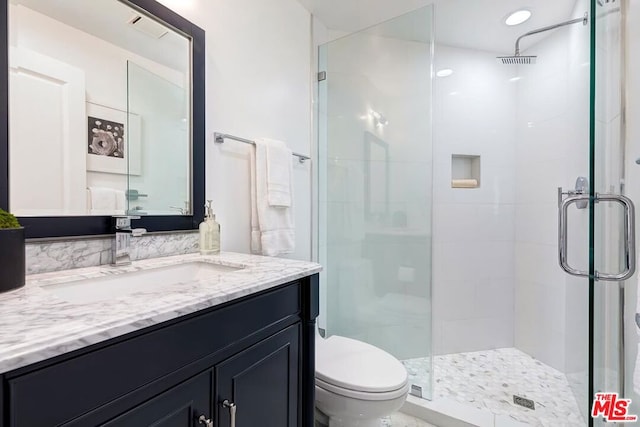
column 473, row 229
column 496, row 280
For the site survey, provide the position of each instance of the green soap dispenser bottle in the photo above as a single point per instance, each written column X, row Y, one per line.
column 209, row 233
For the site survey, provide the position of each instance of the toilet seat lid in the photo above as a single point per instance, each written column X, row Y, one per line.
column 358, row 366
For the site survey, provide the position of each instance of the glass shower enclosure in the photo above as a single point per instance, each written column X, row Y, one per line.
column 450, row 184
column 375, row 181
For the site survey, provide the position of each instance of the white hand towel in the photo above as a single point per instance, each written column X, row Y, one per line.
column 279, row 171
column 88, row 199
column 121, row 200
column 102, row 200
column 464, row 183
column 272, row 228
column 256, row 246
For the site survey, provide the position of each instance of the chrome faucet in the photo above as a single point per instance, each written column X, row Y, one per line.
column 183, row 211
column 121, row 244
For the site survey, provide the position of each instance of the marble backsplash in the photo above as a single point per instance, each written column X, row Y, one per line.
column 56, row 255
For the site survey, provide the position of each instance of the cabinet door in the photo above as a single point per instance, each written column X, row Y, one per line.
column 180, row 406
column 262, row 381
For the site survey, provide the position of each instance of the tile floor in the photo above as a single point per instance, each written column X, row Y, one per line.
column 402, row 420
column 489, row 379
column 397, row 420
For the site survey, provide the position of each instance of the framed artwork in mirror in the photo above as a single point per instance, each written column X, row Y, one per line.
column 376, row 177
column 113, row 140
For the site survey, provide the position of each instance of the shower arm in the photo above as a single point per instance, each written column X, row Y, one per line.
column 584, row 20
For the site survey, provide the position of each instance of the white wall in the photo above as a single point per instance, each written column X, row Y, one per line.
column 473, row 229
column 100, row 59
column 258, row 85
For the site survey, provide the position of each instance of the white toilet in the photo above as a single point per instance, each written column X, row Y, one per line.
column 356, row 383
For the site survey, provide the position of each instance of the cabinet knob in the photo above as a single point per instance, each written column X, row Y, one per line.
column 232, row 411
column 204, row 420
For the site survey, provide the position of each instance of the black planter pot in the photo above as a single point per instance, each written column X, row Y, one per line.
column 12, row 265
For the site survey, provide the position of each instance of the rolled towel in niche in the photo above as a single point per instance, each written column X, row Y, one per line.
column 465, row 171
column 464, row 183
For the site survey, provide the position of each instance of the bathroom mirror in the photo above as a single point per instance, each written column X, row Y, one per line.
column 105, row 116
column 376, row 177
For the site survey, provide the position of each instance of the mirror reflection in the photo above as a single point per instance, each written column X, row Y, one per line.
column 99, row 111
column 376, row 178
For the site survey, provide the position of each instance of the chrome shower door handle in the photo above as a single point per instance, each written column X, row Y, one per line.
column 232, row 411
column 563, row 215
column 629, row 238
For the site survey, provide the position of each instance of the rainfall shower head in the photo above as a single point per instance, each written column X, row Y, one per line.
column 517, row 60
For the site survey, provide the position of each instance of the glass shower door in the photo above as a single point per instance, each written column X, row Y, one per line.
column 612, row 259
column 375, row 189
column 630, row 36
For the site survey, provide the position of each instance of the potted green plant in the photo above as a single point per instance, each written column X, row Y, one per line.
column 12, row 264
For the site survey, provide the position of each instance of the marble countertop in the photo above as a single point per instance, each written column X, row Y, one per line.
column 37, row 324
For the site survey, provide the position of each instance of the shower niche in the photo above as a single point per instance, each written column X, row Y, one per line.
column 465, row 171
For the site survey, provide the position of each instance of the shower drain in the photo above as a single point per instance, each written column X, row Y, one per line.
column 416, row 390
column 523, row 401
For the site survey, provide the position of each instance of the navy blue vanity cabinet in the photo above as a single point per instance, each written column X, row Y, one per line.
column 261, row 382
column 179, row 406
column 253, row 355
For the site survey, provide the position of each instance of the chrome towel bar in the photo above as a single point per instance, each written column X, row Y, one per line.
column 220, row 137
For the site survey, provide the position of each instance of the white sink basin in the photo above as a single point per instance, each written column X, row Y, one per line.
column 122, row 284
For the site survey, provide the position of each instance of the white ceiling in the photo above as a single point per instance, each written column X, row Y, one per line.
column 480, row 24
column 464, row 23
column 354, row 15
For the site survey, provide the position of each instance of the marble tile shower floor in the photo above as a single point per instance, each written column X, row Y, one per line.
column 489, row 379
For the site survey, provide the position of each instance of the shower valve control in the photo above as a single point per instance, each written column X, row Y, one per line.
column 582, row 187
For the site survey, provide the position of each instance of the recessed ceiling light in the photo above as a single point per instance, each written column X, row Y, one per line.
column 445, row 72
column 518, row 17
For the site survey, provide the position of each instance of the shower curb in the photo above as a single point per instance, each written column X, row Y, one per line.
column 448, row 413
